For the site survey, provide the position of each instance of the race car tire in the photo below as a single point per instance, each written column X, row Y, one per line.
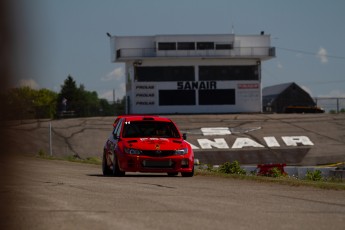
column 105, row 169
column 116, row 170
column 188, row 174
column 173, row 174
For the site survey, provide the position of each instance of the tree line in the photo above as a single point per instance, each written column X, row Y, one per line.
column 71, row 101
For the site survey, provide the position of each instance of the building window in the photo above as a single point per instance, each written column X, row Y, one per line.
column 177, row 97
column 186, row 46
column 217, row 97
column 118, row 53
column 228, row 73
column 224, row 46
column 166, row 46
column 205, row 45
column 165, row 73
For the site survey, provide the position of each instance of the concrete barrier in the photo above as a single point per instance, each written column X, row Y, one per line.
column 293, row 171
column 338, row 174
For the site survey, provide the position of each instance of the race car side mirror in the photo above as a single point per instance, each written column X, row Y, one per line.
column 184, row 136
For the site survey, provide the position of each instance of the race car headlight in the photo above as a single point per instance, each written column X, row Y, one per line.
column 132, row 151
column 181, row 151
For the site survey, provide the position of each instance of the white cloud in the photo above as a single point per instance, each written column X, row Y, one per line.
column 117, row 73
column 28, row 82
column 108, row 95
column 280, row 65
column 322, row 54
column 120, row 91
column 334, row 93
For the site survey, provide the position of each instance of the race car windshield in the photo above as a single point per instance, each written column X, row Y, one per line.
column 150, row 129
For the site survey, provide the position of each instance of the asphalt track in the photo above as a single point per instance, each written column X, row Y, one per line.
column 85, row 137
column 47, row 194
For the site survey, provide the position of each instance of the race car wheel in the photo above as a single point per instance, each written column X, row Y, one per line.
column 172, row 174
column 116, row 169
column 188, row 174
column 105, row 169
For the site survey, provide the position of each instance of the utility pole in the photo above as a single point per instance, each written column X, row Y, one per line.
column 50, row 139
column 114, row 101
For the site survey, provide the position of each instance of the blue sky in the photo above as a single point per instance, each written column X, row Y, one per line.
column 57, row 38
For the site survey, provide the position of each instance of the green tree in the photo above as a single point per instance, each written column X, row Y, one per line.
column 67, row 95
column 27, row 103
column 106, row 109
column 45, row 103
column 87, row 103
column 120, row 106
column 82, row 102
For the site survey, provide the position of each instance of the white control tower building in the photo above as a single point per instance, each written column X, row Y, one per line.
column 180, row 74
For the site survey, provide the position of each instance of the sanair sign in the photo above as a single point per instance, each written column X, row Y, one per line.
column 245, row 142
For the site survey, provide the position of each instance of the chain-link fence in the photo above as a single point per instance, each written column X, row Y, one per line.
column 331, row 104
column 25, row 112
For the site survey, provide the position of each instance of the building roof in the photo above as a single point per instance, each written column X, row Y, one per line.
column 229, row 46
column 283, row 95
column 276, row 89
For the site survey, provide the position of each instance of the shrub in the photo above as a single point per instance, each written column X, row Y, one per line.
column 41, row 153
column 271, row 170
column 314, row 175
column 275, row 172
column 209, row 167
column 231, row 168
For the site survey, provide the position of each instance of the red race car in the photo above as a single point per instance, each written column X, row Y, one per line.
column 147, row 144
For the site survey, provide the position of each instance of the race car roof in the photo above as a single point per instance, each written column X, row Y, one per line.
column 136, row 117
column 147, row 118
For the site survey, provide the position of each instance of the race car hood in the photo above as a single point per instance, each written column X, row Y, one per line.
column 156, row 144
